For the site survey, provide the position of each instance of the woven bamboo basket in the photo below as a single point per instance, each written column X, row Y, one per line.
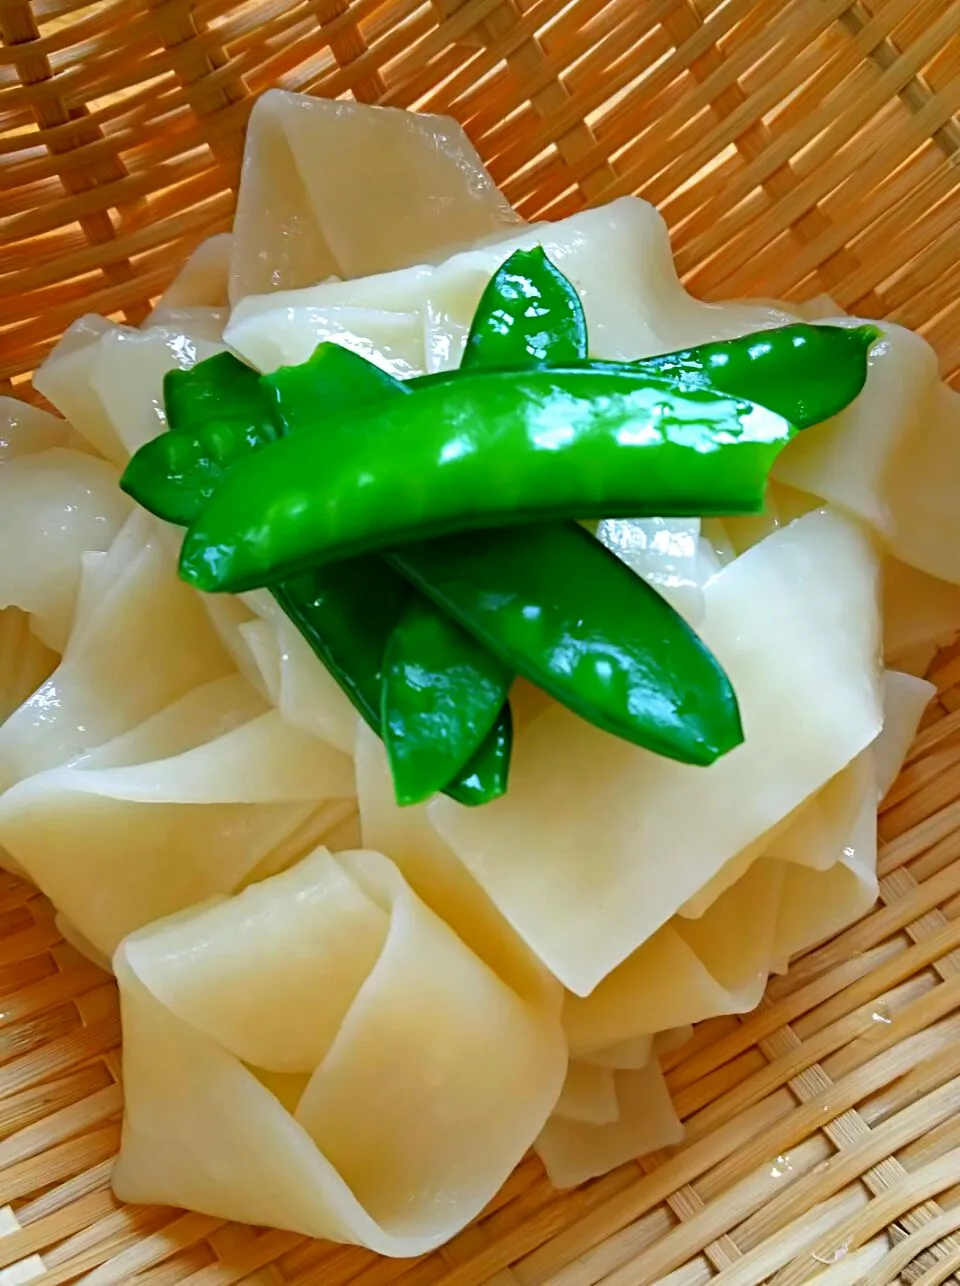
column 795, row 147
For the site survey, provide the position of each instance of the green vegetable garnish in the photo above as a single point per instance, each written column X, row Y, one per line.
column 420, row 534
column 529, row 313
column 599, row 639
column 804, row 373
column 220, row 388
column 347, row 612
column 175, row 474
column 442, row 693
column 483, row 450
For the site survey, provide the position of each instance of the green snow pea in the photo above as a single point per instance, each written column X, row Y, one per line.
column 442, row 693
column 528, row 313
column 803, row 372
column 483, row 450
column 347, row 613
column 599, row 639
column 219, row 388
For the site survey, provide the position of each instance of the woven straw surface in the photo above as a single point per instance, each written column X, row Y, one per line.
column 795, row 147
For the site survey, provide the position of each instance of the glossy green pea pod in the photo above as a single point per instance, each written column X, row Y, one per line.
column 480, row 451
column 528, row 313
column 484, row 777
column 217, row 414
column 805, row 373
column 219, row 388
column 347, row 612
column 441, row 695
column 175, row 474
column 599, row 639
column 334, row 381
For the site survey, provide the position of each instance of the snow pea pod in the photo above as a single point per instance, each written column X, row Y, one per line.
column 333, row 381
column 219, row 388
column 217, row 413
column 599, row 638
column 442, row 693
column 805, row 373
column 528, row 313
column 485, row 776
column 347, row 612
column 175, row 474
column 484, row 450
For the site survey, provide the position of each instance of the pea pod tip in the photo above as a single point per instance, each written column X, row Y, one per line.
column 205, row 566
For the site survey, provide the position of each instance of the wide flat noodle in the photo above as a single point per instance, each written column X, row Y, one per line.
column 202, row 283
column 54, row 505
column 666, row 553
column 815, row 904
column 139, row 623
column 323, row 179
column 589, row 1095
column 817, row 832
column 665, row 1042
column 203, row 326
column 443, row 882
column 298, row 682
column 287, row 336
column 817, row 875
column 688, row 970
column 818, row 837
column 25, row 429
column 573, row 1152
column 905, row 698
column 830, row 829
column 25, row 663
column 623, row 1055
column 431, row 1078
column 615, row 810
column 893, row 456
column 617, row 256
column 186, row 805
column 108, row 380
column 260, row 1004
column 830, row 847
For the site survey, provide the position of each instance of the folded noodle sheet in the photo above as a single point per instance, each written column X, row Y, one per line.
column 354, row 1070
